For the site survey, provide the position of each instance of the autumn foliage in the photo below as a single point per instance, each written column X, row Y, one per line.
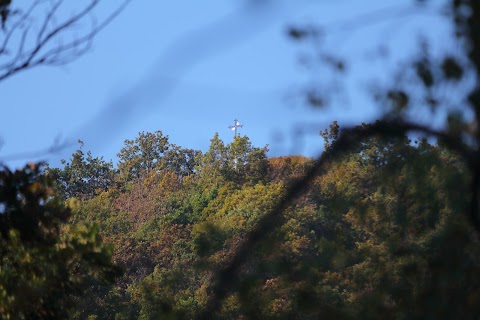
column 381, row 230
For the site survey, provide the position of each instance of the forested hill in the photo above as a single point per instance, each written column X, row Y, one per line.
column 379, row 226
column 380, row 232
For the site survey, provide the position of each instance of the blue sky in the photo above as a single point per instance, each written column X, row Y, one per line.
column 189, row 68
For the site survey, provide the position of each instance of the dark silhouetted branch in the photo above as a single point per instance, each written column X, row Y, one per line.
column 47, row 47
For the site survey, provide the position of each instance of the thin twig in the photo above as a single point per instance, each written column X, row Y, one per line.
column 58, row 55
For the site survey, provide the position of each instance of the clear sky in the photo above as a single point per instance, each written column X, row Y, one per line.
column 189, row 68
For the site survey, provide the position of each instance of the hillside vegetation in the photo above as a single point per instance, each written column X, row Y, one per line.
column 380, row 232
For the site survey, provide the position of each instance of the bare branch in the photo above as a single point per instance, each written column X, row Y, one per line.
column 42, row 51
column 63, row 26
column 16, row 25
column 48, row 19
column 22, row 43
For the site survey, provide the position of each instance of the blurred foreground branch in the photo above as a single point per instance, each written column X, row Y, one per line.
column 56, row 147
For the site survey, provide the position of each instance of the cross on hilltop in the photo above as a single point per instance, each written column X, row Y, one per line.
column 235, row 126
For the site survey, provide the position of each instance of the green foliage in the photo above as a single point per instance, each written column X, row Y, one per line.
column 238, row 162
column 330, row 135
column 182, row 162
column 152, row 153
column 45, row 263
column 381, row 231
column 83, row 177
column 142, row 155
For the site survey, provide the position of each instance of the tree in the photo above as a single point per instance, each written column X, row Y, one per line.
column 216, row 156
column 182, row 162
column 45, row 263
column 238, row 162
column 83, row 178
column 245, row 163
column 142, row 156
